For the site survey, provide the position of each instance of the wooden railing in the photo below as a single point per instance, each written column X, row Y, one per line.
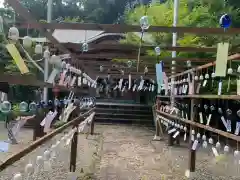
column 74, row 143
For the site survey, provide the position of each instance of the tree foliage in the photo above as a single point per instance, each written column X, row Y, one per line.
column 198, row 13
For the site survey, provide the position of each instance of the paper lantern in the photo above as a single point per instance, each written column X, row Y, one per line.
column 157, row 51
column 13, row 34
column 5, row 107
column 23, row 106
column 38, row 49
column 27, row 42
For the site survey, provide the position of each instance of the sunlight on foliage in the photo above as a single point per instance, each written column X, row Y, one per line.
column 197, row 13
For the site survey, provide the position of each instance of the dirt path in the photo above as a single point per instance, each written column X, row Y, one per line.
column 128, row 154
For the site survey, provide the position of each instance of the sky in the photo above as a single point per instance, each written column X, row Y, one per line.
column 1, row 3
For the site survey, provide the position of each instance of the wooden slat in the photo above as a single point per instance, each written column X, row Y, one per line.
column 123, row 28
column 132, row 56
column 230, row 58
column 30, row 80
column 229, row 97
column 208, row 128
column 122, row 47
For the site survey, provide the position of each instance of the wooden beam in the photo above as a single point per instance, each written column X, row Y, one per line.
column 30, row 80
column 109, row 64
column 123, row 28
column 143, row 58
column 77, row 47
column 210, row 64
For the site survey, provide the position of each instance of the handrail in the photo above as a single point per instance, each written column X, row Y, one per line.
column 17, row 156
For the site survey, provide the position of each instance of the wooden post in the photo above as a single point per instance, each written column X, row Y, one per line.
column 170, row 140
column 73, row 154
column 92, row 126
column 192, row 153
column 157, row 127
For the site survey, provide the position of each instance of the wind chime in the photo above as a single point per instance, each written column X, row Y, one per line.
column 44, row 162
column 202, row 132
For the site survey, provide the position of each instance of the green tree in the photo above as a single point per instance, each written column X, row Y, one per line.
column 199, row 14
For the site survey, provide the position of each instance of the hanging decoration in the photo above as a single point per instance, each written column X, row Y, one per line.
column 225, row 21
column 5, row 107
column 23, row 107
column 27, row 42
column 85, row 44
column 45, row 161
column 13, row 34
column 144, row 24
column 38, row 49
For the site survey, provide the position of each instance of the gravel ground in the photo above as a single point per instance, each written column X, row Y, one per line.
column 126, row 153
column 60, row 167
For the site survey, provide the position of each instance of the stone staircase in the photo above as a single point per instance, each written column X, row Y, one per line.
column 107, row 112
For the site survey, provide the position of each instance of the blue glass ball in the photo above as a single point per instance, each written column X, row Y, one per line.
column 225, row 21
column 49, row 103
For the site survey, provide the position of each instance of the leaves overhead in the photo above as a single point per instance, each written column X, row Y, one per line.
column 197, row 13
